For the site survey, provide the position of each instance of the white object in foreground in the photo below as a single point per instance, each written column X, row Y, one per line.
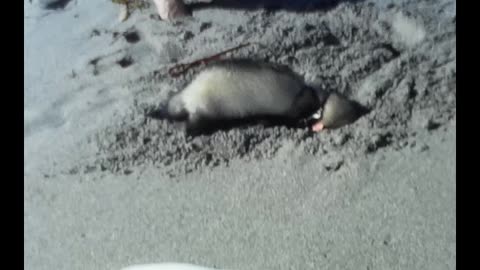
column 167, row 266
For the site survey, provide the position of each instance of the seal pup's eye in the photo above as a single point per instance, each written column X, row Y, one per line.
column 317, row 115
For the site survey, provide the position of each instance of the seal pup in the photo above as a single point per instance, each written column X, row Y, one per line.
column 233, row 92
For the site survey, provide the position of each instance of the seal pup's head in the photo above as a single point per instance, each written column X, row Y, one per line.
column 336, row 112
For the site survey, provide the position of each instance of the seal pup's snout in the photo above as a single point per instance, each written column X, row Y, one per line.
column 337, row 111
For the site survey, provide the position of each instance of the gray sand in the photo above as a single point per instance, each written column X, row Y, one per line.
column 106, row 186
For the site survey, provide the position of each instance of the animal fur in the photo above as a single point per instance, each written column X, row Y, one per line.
column 238, row 91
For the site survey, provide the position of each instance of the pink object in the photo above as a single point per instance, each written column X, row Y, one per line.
column 170, row 9
column 318, row 126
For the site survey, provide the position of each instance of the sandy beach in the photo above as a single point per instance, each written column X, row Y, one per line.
column 107, row 186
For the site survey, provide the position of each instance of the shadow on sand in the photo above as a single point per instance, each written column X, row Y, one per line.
column 272, row 5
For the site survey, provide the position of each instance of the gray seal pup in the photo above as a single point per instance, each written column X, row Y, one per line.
column 232, row 92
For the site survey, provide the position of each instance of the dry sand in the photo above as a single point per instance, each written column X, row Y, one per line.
column 106, row 186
